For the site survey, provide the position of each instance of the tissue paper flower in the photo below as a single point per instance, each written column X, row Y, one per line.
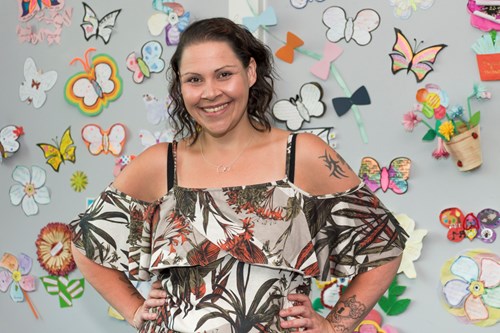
column 413, row 245
column 30, row 190
column 54, row 249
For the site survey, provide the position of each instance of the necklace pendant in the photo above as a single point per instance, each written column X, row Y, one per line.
column 223, row 169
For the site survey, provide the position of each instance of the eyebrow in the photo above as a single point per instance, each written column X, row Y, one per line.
column 215, row 71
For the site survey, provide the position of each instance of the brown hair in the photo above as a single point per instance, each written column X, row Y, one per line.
column 245, row 46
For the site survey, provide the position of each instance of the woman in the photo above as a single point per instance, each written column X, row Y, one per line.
column 235, row 218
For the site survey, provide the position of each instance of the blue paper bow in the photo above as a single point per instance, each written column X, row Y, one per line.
column 267, row 17
column 344, row 104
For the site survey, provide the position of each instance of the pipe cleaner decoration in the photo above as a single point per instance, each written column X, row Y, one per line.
column 54, row 249
column 472, row 226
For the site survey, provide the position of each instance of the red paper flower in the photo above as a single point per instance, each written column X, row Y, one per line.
column 54, row 249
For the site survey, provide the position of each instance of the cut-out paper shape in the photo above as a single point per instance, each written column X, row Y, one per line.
column 342, row 27
column 100, row 141
column 296, row 110
column 487, row 49
column 172, row 18
column 404, row 57
column 390, row 304
column 66, row 289
column 286, row 52
column 433, row 100
column 60, row 152
column 413, row 246
column 149, row 62
column 324, row 133
column 18, row 278
column 299, row 4
column 484, row 14
column 92, row 90
column 30, row 190
column 149, row 139
column 53, row 246
column 395, row 177
column 158, row 110
column 36, row 83
column 471, row 287
column 331, row 52
column 470, row 226
column 265, row 19
column 95, row 27
column 29, row 8
column 404, row 8
column 9, row 136
column 373, row 324
column 78, row 182
column 343, row 104
column 120, row 163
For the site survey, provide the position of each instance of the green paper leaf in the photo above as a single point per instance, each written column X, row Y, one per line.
column 430, row 135
column 317, row 305
column 474, row 120
column 399, row 307
column 384, row 304
column 397, row 290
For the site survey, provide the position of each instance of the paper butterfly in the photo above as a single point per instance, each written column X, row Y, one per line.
column 395, row 177
column 60, row 152
column 357, row 29
column 35, row 84
column 404, row 8
column 28, row 8
column 295, row 111
column 151, row 61
column 120, row 163
column 93, row 89
column 100, row 141
column 324, row 133
column 174, row 19
column 471, row 226
column 66, row 289
column 299, row 4
column 92, row 26
column 148, row 139
column 157, row 109
column 266, row 18
column 419, row 63
column 8, row 140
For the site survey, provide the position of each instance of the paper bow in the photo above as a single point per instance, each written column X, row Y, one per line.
column 286, row 52
column 344, row 104
column 331, row 52
column 267, row 17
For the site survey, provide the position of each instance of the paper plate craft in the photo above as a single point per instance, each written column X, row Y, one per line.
column 158, row 110
column 299, row 4
column 78, row 181
column 405, row 57
column 172, row 18
column 404, row 8
column 413, row 245
column 342, row 27
column 391, row 304
column 373, row 324
column 325, row 133
column 29, row 190
column 484, row 14
column 395, row 177
column 120, row 163
column 470, row 226
column 54, row 249
column 470, row 287
column 149, row 62
column 17, row 277
column 343, row 104
column 487, row 49
column 149, row 139
column 94, row 88
column 264, row 19
column 59, row 152
column 66, row 289
column 100, row 141
column 296, row 110
column 36, row 83
column 331, row 52
column 9, row 136
column 94, row 27
column 286, row 52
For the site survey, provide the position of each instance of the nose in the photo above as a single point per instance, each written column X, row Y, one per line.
column 210, row 90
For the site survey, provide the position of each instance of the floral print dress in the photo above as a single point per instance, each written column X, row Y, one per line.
column 228, row 257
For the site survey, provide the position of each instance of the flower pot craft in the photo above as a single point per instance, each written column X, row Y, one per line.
column 465, row 149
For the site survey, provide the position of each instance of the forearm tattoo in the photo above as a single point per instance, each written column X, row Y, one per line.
column 345, row 312
column 334, row 166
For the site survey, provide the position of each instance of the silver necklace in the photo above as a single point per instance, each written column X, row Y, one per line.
column 223, row 168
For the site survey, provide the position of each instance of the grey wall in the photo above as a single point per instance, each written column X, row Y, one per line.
column 434, row 185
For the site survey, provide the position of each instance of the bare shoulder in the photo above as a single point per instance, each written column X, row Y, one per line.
column 319, row 169
column 145, row 178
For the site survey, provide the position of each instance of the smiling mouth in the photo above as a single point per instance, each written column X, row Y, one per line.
column 215, row 108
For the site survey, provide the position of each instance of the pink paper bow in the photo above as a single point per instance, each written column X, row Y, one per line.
column 322, row 68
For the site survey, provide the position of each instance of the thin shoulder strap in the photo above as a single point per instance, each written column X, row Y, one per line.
column 171, row 173
column 290, row 157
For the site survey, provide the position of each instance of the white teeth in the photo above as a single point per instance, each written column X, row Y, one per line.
column 215, row 109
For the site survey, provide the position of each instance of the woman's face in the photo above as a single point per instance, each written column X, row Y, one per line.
column 215, row 86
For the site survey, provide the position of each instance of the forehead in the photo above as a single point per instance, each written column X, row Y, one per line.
column 208, row 55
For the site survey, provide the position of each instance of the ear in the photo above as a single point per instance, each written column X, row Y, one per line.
column 252, row 72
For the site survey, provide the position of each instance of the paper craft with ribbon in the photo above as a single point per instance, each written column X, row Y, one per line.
column 266, row 18
column 286, row 52
column 331, row 52
column 344, row 104
column 471, row 226
column 395, row 177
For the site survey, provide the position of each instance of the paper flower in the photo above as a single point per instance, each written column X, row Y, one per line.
column 410, row 120
column 447, row 130
column 471, row 287
column 413, row 245
column 440, row 151
column 31, row 190
column 54, row 249
column 78, row 181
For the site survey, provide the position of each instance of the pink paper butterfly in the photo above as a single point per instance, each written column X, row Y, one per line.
column 395, row 177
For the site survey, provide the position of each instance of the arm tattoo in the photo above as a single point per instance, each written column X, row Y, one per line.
column 349, row 310
column 334, row 166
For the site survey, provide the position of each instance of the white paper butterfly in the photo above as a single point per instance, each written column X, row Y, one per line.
column 295, row 111
column 357, row 29
column 404, row 8
column 8, row 141
column 36, row 84
column 103, row 28
column 299, row 4
column 149, row 139
column 100, row 141
column 157, row 109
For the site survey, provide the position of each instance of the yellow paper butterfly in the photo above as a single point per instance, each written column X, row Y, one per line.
column 63, row 151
